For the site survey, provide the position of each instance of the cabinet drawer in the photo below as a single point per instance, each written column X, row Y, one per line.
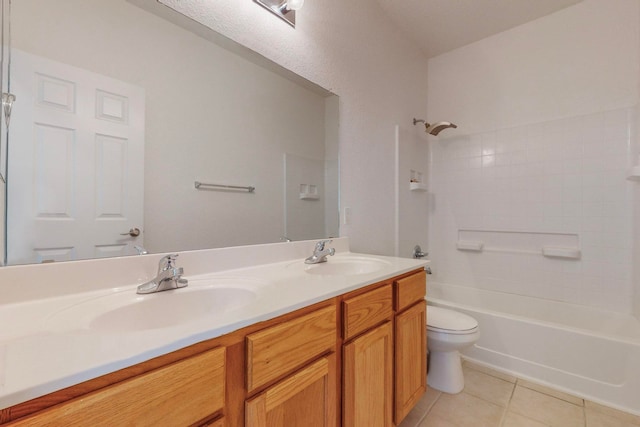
column 182, row 393
column 366, row 310
column 410, row 289
column 277, row 350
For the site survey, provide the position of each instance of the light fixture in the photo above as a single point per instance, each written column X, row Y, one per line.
column 283, row 9
column 295, row 4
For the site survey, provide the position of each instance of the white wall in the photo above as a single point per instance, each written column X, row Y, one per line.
column 351, row 49
column 232, row 129
column 412, row 214
column 332, row 166
column 635, row 152
column 580, row 60
column 635, row 155
column 2, row 221
column 544, row 112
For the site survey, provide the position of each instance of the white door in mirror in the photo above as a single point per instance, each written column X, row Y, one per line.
column 83, row 185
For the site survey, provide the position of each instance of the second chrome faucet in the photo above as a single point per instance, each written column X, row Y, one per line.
column 320, row 253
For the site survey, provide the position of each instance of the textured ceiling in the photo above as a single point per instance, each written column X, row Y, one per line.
column 443, row 25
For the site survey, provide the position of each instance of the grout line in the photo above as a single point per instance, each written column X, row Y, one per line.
column 506, row 409
column 584, row 412
column 430, row 407
column 504, row 416
column 434, row 403
column 549, row 391
column 421, row 419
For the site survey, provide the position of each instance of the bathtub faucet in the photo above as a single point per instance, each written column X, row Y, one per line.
column 417, row 252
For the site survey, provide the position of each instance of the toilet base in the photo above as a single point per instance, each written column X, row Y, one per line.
column 445, row 371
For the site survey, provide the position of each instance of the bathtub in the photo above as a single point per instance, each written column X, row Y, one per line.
column 583, row 351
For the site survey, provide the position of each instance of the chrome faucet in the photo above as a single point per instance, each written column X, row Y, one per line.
column 417, row 254
column 140, row 250
column 320, row 253
column 169, row 277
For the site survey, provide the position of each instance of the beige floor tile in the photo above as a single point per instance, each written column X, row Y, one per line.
column 470, row 365
column 531, row 405
column 487, row 387
column 433, row 420
column 633, row 420
column 546, row 409
column 603, row 416
column 423, row 406
column 551, row 392
column 464, row 410
column 515, row 420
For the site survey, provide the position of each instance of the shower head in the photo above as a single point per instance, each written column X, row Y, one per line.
column 436, row 128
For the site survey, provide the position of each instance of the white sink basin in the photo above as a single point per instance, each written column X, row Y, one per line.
column 127, row 311
column 346, row 266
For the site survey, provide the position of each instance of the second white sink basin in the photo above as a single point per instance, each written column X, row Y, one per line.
column 346, row 266
column 127, row 311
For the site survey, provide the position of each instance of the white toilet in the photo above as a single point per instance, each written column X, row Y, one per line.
column 448, row 332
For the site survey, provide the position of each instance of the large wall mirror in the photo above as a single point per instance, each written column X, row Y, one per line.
column 123, row 105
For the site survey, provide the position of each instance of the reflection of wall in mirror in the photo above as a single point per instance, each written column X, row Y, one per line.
column 2, row 221
column 211, row 116
column 3, row 183
column 332, row 168
column 304, row 216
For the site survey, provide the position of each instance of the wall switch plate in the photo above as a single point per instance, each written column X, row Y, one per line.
column 346, row 216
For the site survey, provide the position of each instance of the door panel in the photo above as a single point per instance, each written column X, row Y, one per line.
column 84, row 185
column 306, row 398
column 411, row 359
column 368, row 374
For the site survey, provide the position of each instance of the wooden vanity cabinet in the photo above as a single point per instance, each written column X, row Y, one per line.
column 354, row 360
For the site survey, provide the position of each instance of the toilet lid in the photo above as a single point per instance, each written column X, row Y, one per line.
column 442, row 318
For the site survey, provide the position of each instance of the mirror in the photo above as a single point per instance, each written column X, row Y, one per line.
column 122, row 106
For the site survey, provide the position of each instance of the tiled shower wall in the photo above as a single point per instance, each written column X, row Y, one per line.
column 565, row 176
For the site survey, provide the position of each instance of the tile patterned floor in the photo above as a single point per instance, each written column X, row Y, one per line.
column 494, row 399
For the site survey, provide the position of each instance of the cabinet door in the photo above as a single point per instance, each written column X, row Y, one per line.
column 306, row 398
column 368, row 387
column 182, row 393
column 411, row 359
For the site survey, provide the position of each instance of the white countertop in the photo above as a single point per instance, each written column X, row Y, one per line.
column 44, row 348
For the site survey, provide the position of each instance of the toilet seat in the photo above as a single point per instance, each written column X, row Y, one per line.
column 450, row 322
